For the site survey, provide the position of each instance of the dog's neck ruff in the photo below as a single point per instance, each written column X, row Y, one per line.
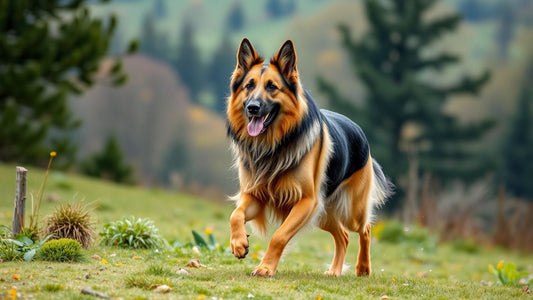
column 266, row 162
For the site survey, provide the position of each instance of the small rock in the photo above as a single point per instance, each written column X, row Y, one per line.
column 87, row 276
column 96, row 257
column 182, row 271
column 384, row 297
column 161, row 288
column 195, row 263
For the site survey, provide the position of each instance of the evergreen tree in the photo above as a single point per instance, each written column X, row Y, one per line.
column 277, row 9
column 109, row 163
column 150, row 39
column 390, row 60
column 219, row 70
column 236, row 18
column 188, row 63
column 274, row 9
column 504, row 34
column 49, row 50
column 518, row 148
column 160, row 9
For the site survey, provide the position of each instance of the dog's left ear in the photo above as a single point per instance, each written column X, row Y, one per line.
column 285, row 59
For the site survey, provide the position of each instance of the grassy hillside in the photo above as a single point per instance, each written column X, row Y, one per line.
column 401, row 270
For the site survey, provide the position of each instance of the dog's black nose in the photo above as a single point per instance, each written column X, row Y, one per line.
column 253, row 107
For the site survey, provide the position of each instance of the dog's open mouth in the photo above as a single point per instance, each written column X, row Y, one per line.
column 258, row 124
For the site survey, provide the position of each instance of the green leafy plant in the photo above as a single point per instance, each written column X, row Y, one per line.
column 200, row 242
column 62, row 250
column 132, row 233
column 506, row 274
column 20, row 248
column 72, row 221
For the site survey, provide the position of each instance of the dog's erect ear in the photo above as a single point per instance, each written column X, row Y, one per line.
column 286, row 59
column 246, row 56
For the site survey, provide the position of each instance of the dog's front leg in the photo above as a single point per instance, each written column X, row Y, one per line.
column 299, row 216
column 247, row 209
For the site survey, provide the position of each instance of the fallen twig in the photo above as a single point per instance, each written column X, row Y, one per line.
column 90, row 292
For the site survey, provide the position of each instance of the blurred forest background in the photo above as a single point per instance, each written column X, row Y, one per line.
column 134, row 91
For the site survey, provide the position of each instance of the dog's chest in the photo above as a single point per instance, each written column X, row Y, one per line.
column 283, row 191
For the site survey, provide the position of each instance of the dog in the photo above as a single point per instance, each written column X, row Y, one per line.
column 297, row 164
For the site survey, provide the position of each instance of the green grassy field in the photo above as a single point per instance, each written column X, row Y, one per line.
column 400, row 270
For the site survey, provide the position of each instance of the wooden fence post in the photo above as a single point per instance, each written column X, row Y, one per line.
column 20, row 201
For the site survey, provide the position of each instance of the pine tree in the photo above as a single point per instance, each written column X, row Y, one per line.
column 219, row 70
column 153, row 42
column 109, row 163
column 188, row 63
column 160, row 9
column 49, row 50
column 389, row 60
column 518, row 148
column 236, row 17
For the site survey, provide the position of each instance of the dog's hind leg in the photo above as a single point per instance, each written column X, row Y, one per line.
column 341, row 238
column 363, row 258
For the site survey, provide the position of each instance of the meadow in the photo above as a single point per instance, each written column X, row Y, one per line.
column 417, row 267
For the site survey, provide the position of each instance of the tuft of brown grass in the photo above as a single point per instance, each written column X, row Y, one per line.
column 72, row 221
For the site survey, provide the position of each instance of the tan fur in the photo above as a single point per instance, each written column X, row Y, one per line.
column 289, row 188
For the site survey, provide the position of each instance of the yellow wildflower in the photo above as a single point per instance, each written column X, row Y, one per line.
column 53, row 153
column 499, row 266
column 208, row 230
column 13, row 293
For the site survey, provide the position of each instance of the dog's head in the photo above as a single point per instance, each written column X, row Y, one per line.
column 265, row 101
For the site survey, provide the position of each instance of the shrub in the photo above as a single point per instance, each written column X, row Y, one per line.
column 132, row 233
column 20, row 248
column 72, row 221
column 62, row 250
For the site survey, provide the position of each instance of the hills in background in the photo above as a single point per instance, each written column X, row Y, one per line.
column 172, row 139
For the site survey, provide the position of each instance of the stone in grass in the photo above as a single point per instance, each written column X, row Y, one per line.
column 161, row 288
column 182, row 271
column 195, row 263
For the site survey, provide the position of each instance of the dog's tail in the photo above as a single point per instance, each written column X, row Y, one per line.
column 382, row 187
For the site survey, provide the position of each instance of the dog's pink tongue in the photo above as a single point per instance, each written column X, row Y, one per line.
column 255, row 126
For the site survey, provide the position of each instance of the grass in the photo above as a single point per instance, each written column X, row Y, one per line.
column 400, row 270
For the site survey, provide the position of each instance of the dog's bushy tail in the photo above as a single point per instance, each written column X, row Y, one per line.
column 382, row 186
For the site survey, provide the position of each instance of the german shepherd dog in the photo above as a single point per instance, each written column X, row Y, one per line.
column 297, row 164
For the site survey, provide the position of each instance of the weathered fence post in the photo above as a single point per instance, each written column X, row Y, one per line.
column 20, row 201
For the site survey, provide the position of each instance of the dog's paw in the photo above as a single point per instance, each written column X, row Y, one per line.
column 332, row 273
column 239, row 246
column 362, row 270
column 263, row 271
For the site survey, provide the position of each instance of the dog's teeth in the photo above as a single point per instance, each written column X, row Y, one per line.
column 266, row 117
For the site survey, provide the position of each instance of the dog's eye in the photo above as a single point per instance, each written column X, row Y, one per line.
column 270, row 86
column 250, row 85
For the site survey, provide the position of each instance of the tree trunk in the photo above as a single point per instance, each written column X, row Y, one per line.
column 20, row 201
column 410, row 207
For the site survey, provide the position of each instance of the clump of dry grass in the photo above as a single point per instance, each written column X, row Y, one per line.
column 72, row 221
